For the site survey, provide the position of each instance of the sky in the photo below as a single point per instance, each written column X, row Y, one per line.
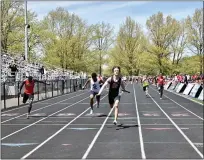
column 115, row 12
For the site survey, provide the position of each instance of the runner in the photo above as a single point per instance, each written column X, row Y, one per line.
column 95, row 87
column 115, row 81
column 29, row 91
column 145, row 85
column 160, row 82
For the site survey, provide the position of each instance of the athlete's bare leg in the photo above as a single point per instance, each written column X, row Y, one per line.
column 98, row 101
column 116, row 104
column 111, row 105
column 91, row 102
column 30, row 101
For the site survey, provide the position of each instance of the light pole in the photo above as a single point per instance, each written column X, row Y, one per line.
column 26, row 31
column 100, row 48
column 27, row 26
column 202, row 65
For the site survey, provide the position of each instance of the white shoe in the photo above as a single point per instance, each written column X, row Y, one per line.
column 160, row 98
column 91, row 112
column 27, row 116
column 115, row 122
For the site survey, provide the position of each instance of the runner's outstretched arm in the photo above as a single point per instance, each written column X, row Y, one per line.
column 123, row 85
column 88, row 80
column 35, row 80
column 21, row 86
column 105, row 84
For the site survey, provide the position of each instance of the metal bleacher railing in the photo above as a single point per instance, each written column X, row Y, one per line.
column 11, row 98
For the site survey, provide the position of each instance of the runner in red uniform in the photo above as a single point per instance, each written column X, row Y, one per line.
column 29, row 91
column 161, row 82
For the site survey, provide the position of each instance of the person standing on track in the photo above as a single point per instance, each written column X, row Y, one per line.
column 161, row 82
column 29, row 92
column 95, row 87
column 115, row 82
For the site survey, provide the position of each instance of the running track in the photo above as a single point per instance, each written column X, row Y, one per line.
column 149, row 128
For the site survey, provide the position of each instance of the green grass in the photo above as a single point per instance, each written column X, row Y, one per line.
column 197, row 100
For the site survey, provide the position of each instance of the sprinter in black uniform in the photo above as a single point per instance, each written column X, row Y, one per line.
column 115, row 82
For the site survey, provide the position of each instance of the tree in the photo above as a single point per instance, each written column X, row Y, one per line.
column 12, row 28
column 189, row 65
column 195, row 35
column 67, row 33
column 129, row 44
column 179, row 44
column 162, row 32
column 11, row 22
column 102, row 40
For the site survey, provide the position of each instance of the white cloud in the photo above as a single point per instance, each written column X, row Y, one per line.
column 95, row 11
column 182, row 14
column 109, row 12
column 103, row 8
column 46, row 6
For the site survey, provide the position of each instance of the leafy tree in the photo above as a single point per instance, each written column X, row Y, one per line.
column 195, row 35
column 179, row 44
column 128, row 46
column 12, row 28
column 102, row 40
column 162, row 33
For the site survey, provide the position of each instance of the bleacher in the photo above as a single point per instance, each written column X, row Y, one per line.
column 25, row 69
column 10, row 84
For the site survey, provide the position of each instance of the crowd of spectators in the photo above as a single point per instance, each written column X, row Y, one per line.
column 17, row 69
column 185, row 78
column 177, row 78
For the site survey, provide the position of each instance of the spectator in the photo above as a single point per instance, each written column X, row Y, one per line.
column 185, row 79
column 14, row 69
column 42, row 70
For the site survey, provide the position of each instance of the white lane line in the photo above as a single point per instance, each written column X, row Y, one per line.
column 192, row 100
column 201, row 125
column 183, row 107
column 96, row 136
column 145, row 142
column 41, row 120
column 39, row 102
column 177, row 127
column 41, row 108
column 52, row 103
column 139, row 127
column 56, row 133
column 125, row 118
column 171, row 124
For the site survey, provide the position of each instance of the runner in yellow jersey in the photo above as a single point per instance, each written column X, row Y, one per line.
column 145, row 84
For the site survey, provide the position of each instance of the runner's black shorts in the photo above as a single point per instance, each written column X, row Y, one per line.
column 113, row 98
column 27, row 96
